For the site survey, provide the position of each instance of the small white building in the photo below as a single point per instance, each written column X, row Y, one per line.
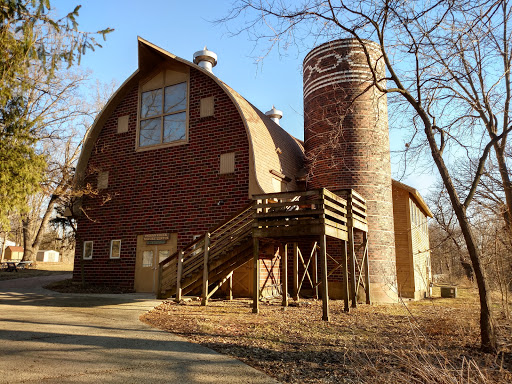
column 48, row 256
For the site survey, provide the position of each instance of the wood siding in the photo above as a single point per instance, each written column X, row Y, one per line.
column 404, row 271
column 412, row 246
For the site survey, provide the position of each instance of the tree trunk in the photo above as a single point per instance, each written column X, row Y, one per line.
column 3, row 246
column 28, row 250
column 32, row 242
column 487, row 331
column 507, row 185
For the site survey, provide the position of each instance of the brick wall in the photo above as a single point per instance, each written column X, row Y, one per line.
column 347, row 143
column 172, row 189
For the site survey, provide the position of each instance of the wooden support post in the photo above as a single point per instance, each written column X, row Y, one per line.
column 366, row 268
column 325, row 284
column 284, row 274
column 159, row 284
column 230, row 287
column 345, row 275
column 315, row 272
column 204, row 301
column 178, row 276
column 256, row 276
column 352, row 266
column 295, row 271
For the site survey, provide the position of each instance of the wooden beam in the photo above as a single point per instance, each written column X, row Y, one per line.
column 178, row 276
column 159, row 283
column 295, row 271
column 210, row 294
column 285, row 195
column 204, row 301
column 195, row 282
column 325, row 285
column 352, row 265
column 315, row 271
column 284, row 274
column 366, row 268
column 345, row 275
column 306, row 270
column 256, row 277
column 230, row 287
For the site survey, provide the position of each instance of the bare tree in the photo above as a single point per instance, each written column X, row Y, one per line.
column 65, row 115
column 431, row 59
column 446, row 240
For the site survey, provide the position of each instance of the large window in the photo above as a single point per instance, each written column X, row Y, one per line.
column 163, row 115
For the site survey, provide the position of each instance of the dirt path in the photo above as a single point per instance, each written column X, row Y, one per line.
column 67, row 338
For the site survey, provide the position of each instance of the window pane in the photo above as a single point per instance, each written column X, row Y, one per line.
column 162, row 255
column 151, row 103
column 175, row 98
column 150, row 131
column 147, row 259
column 87, row 249
column 174, row 127
column 115, row 252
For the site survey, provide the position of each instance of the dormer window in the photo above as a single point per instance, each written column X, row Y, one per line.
column 163, row 110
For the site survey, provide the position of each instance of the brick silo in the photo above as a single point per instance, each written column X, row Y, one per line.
column 347, row 143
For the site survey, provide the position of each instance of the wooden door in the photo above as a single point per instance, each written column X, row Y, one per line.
column 146, row 262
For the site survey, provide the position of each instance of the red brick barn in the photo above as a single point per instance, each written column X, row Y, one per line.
column 174, row 152
column 176, row 156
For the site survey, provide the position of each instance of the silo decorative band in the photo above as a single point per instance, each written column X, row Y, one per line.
column 349, row 67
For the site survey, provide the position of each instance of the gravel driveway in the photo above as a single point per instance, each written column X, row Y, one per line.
column 51, row 337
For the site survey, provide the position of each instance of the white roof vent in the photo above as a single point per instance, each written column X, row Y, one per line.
column 205, row 59
column 275, row 115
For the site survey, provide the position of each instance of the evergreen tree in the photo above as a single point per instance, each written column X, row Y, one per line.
column 29, row 37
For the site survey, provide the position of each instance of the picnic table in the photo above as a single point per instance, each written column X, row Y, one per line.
column 13, row 266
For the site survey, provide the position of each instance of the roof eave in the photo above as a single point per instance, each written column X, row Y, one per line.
column 416, row 195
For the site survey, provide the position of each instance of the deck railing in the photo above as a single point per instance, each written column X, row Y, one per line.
column 304, row 213
column 356, row 208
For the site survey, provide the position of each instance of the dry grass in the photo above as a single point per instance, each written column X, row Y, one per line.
column 40, row 269
column 432, row 341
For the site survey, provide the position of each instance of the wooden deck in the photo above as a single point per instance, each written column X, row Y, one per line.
column 294, row 214
column 209, row 261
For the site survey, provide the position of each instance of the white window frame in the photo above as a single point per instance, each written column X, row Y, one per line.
column 83, row 250
column 111, row 244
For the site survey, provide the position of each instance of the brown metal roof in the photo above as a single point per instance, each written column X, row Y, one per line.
column 14, row 248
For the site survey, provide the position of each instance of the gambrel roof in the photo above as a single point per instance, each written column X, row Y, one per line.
column 271, row 148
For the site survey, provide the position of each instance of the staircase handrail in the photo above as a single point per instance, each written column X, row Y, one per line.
column 211, row 231
column 234, row 228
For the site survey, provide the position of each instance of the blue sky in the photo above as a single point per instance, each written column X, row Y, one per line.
column 183, row 27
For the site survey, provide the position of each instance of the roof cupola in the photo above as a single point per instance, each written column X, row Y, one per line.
column 275, row 115
column 205, row 59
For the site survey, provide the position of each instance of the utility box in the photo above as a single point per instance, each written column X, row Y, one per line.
column 449, row 292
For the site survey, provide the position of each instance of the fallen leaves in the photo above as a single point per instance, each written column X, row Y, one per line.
column 428, row 340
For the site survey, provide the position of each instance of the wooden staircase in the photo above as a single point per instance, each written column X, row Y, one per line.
column 287, row 217
column 209, row 260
